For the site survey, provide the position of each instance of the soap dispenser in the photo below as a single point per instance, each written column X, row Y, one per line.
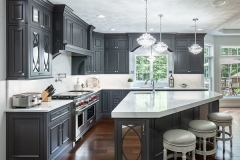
column 77, row 86
column 171, row 81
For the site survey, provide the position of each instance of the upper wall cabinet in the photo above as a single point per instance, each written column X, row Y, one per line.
column 29, row 45
column 98, row 53
column 184, row 61
column 68, row 29
column 116, row 41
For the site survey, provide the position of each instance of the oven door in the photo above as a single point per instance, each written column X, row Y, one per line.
column 80, row 124
column 90, row 115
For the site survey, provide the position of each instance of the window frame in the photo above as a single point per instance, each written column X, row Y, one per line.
column 154, row 54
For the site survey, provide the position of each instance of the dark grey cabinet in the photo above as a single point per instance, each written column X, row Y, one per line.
column 29, row 46
column 39, row 136
column 116, row 43
column 98, row 53
column 68, row 29
column 17, row 57
column 116, row 62
column 184, row 61
column 40, row 17
column 106, row 110
column 116, row 98
column 40, row 55
column 98, row 107
column 17, row 12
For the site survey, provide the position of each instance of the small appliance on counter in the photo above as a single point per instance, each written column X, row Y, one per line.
column 47, row 93
column 26, row 100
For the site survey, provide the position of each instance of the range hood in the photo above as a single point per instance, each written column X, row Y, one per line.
column 74, row 50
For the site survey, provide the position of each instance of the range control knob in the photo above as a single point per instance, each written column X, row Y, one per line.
column 32, row 100
column 86, row 102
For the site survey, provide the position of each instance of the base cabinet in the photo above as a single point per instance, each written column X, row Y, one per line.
column 39, row 136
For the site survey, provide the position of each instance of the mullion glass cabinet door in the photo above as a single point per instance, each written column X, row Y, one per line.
column 47, row 56
column 35, row 52
column 47, row 17
column 35, row 14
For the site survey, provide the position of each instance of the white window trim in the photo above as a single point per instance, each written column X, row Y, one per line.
column 211, row 67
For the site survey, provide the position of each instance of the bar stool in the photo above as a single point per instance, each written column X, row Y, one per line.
column 204, row 129
column 223, row 120
column 179, row 140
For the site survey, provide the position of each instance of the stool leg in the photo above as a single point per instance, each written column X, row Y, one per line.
column 223, row 137
column 214, row 142
column 193, row 154
column 175, row 155
column 230, row 131
column 199, row 144
column 164, row 154
column 204, row 148
column 183, row 156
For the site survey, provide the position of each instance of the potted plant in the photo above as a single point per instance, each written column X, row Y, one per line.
column 130, row 82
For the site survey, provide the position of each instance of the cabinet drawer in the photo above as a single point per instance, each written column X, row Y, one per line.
column 60, row 112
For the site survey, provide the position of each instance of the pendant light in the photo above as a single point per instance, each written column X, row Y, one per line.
column 160, row 46
column 146, row 40
column 195, row 48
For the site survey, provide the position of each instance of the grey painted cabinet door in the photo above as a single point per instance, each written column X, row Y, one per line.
column 17, row 58
column 67, row 30
column 181, row 61
column 16, row 12
column 110, row 61
column 98, row 43
column 105, row 101
column 98, row 61
column 123, row 61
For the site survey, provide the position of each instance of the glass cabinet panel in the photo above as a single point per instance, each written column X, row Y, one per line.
column 36, row 52
column 35, row 15
column 46, row 54
column 46, row 20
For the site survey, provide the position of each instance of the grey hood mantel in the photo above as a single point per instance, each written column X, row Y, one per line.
column 76, row 51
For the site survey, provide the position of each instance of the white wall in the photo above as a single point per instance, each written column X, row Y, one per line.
column 2, row 80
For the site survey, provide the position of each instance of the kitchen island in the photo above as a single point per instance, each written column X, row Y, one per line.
column 142, row 117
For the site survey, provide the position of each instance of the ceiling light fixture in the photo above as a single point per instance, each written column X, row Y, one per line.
column 100, row 16
column 146, row 40
column 160, row 46
column 112, row 29
column 218, row 3
column 195, row 48
column 199, row 29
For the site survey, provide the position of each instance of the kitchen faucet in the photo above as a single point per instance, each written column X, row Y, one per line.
column 152, row 84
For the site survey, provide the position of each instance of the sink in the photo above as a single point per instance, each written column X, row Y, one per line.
column 142, row 92
column 150, row 87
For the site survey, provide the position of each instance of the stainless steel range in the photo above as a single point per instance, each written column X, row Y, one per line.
column 84, row 109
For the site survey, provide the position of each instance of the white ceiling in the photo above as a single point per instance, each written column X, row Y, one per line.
column 129, row 15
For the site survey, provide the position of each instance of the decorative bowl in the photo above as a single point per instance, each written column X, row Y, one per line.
column 183, row 85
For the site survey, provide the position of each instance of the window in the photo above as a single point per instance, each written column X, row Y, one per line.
column 230, row 51
column 208, row 66
column 144, row 68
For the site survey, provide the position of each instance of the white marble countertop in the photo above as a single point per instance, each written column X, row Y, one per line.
column 43, row 107
column 141, row 104
column 156, row 88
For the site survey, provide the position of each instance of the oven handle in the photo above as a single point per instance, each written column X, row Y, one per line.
column 79, row 111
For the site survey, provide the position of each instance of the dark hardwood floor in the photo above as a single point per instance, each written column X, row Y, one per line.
column 98, row 142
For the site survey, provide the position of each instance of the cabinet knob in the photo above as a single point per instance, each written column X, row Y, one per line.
column 94, row 71
column 22, row 74
column 23, row 20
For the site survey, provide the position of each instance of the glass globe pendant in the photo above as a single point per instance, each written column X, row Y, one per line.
column 146, row 40
column 160, row 46
column 195, row 48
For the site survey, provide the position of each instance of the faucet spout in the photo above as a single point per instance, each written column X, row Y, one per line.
column 152, row 84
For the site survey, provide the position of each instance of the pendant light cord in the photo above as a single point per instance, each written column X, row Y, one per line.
column 195, row 30
column 146, row 16
column 160, row 28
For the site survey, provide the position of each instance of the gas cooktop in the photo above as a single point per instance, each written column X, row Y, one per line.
column 72, row 94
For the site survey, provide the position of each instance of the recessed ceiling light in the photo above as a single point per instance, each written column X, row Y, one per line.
column 218, row 3
column 112, row 29
column 100, row 16
column 199, row 29
column 151, row 29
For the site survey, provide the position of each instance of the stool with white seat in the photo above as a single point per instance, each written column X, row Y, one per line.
column 223, row 120
column 204, row 129
column 179, row 140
